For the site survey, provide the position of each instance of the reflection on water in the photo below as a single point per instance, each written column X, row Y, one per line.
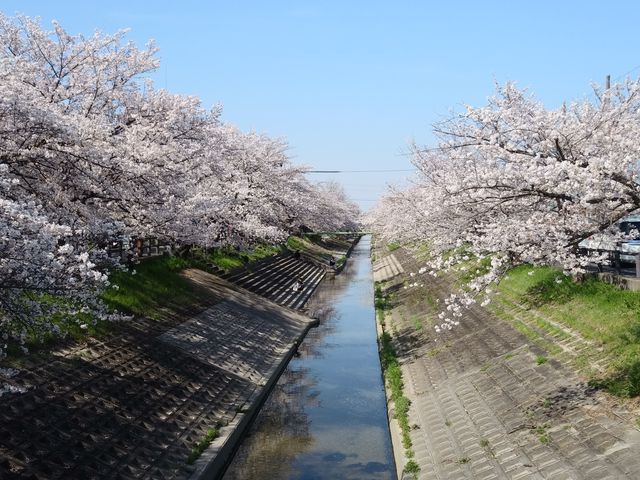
column 326, row 418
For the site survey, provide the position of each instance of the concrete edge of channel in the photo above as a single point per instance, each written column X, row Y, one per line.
column 394, row 428
column 216, row 458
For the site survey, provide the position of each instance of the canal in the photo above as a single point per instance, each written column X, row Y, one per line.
column 326, row 418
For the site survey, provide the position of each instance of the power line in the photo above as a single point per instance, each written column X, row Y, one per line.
column 626, row 74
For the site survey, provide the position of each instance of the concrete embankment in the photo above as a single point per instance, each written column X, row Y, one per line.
column 277, row 329
column 487, row 402
column 137, row 404
column 143, row 401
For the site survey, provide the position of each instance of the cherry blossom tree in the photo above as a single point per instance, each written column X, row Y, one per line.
column 332, row 210
column 522, row 183
column 91, row 151
column 45, row 282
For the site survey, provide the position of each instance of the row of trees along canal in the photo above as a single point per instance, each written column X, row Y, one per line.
column 90, row 152
column 514, row 182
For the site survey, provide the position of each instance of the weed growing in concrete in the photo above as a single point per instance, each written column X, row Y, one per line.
column 412, row 467
column 202, row 445
column 393, row 377
column 382, row 303
column 395, row 383
column 541, row 359
column 484, row 443
column 543, row 434
column 463, row 460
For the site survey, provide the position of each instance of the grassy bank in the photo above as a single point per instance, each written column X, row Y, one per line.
column 601, row 313
column 156, row 282
column 152, row 284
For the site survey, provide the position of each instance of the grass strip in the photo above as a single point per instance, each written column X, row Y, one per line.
column 395, row 382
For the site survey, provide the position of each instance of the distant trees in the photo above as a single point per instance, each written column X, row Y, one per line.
column 91, row 151
column 522, row 183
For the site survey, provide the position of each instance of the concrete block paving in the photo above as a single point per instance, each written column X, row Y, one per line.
column 133, row 405
column 274, row 279
column 484, row 408
column 386, row 268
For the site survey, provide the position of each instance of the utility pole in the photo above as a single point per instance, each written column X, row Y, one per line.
column 608, row 82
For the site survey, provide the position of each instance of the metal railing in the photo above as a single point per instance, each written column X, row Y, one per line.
column 137, row 248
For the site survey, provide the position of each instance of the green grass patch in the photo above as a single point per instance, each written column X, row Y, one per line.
column 259, row 252
column 230, row 258
column 528, row 331
column 472, row 269
column 600, row 312
column 153, row 283
column 422, row 252
column 296, row 243
column 202, row 445
column 224, row 259
column 156, row 282
column 393, row 246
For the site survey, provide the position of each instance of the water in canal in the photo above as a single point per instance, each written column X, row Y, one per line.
column 326, row 418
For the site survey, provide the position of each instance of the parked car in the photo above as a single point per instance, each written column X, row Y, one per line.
column 625, row 251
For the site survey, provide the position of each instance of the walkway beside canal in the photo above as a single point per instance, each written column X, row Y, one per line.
column 137, row 403
column 486, row 403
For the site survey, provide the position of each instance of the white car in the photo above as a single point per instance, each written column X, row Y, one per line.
column 628, row 250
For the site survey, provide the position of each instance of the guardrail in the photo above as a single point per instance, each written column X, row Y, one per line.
column 137, row 248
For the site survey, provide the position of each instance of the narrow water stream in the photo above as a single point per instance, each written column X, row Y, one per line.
column 326, row 418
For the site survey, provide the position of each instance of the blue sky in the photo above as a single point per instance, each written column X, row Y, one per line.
column 350, row 83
